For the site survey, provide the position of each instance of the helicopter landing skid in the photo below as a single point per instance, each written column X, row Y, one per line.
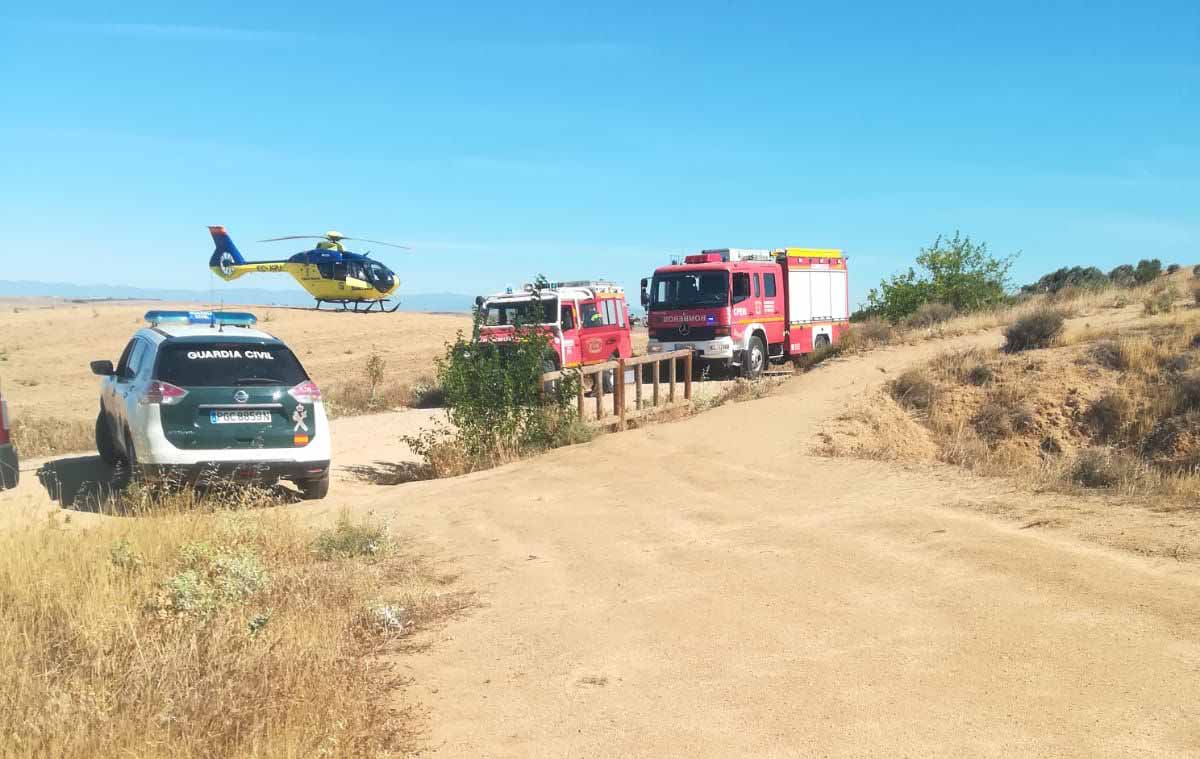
column 356, row 306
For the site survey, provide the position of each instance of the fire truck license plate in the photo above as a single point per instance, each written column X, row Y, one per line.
column 240, row 417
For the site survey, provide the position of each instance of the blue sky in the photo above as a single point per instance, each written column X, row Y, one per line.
column 501, row 140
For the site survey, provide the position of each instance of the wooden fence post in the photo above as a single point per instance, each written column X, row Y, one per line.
column 598, row 388
column 619, row 395
column 674, row 371
column 687, row 376
column 637, row 386
column 657, row 371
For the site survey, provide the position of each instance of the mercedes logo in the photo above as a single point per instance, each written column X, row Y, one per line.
column 684, row 329
column 241, row 396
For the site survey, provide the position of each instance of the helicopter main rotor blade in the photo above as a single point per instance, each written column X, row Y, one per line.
column 294, row 237
column 378, row 242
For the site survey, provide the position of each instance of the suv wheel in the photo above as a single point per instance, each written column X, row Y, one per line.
column 104, row 441
column 314, row 490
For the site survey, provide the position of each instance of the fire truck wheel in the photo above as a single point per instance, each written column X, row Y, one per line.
column 755, row 359
column 822, row 341
column 610, row 378
column 549, row 365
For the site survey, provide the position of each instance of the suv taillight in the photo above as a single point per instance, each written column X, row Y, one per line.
column 163, row 393
column 4, row 440
column 306, row 392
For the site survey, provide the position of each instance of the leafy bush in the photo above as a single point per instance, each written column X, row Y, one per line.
column 1147, row 270
column 914, row 389
column 1037, row 330
column 1196, row 270
column 495, row 399
column 956, row 271
column 1173, row 268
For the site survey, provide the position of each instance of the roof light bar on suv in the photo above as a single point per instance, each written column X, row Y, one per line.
column 213, row 318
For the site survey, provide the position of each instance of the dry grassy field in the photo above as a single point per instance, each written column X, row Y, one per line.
column 46, row 346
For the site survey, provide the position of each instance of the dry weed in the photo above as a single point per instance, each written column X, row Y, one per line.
column 195, row 634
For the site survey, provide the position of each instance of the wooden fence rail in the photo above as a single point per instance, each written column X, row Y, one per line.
column 675, row 361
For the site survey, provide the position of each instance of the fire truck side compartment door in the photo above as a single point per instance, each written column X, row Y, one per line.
column 840, row 308
column 822, row 303
column 800, row 296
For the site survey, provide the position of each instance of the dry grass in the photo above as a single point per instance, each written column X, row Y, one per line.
column 355, row 397
column 189, row 633
column 45, row 436
column 1119, row 413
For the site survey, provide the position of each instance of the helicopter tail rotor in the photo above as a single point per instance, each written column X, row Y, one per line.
column 225, row 256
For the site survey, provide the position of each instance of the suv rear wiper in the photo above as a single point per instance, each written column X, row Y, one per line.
column 258, row 381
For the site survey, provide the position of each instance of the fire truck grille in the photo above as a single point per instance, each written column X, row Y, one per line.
column 690, row 333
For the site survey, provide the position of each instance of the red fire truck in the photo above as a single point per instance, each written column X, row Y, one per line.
column 742, row 308
column 588, row 321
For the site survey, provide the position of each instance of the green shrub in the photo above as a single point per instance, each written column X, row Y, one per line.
column 1147, row 270
column 348, row 539
column 1037, row 330
column 1196, row 270
column 1173, row 268
column 498, row 407
column 1123, row 276
column 1089, row 278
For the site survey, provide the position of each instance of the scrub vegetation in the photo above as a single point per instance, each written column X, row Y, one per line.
column 193, row 633
column 1109, row 410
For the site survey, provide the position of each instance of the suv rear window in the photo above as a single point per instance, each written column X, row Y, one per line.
column 228, row 365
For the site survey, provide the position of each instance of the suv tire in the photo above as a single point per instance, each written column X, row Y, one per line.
column 104, row 441
column 755, row 358
column 314, row 490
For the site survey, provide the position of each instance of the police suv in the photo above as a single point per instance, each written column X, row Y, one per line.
column 201, row 395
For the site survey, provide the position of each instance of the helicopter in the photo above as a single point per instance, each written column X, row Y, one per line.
column 329, row 272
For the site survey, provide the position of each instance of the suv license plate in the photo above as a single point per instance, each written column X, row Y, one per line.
column 240, row 417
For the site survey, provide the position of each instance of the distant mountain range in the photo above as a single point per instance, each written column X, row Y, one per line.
column 450, row 302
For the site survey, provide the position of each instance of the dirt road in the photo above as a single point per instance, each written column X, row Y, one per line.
column 709, row 588
column 673, row 592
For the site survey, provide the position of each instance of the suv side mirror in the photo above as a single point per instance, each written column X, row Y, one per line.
column 103, row 368
column 645, row 293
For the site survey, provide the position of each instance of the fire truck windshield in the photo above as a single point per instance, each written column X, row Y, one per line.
column 701, row 289
column 503, row 313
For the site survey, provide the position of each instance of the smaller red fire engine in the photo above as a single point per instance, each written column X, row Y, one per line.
column 588, row 321
column 742, row 308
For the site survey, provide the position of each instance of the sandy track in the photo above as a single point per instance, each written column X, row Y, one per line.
column 665, row 593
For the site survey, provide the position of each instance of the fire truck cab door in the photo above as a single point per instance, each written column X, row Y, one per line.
column 571, row 336
column 597, row 337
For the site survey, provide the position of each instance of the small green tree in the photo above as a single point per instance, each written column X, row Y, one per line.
column 1147, row 270
column 374, row 370
column 1123, row 276
column 494, row 393
column 955, row 271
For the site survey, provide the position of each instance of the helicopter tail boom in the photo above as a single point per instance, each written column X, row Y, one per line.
column 226, row 259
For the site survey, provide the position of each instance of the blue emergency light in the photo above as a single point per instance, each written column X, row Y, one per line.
column 211, row 318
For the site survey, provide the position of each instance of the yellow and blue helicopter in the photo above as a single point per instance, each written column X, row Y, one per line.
column 329, row 272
